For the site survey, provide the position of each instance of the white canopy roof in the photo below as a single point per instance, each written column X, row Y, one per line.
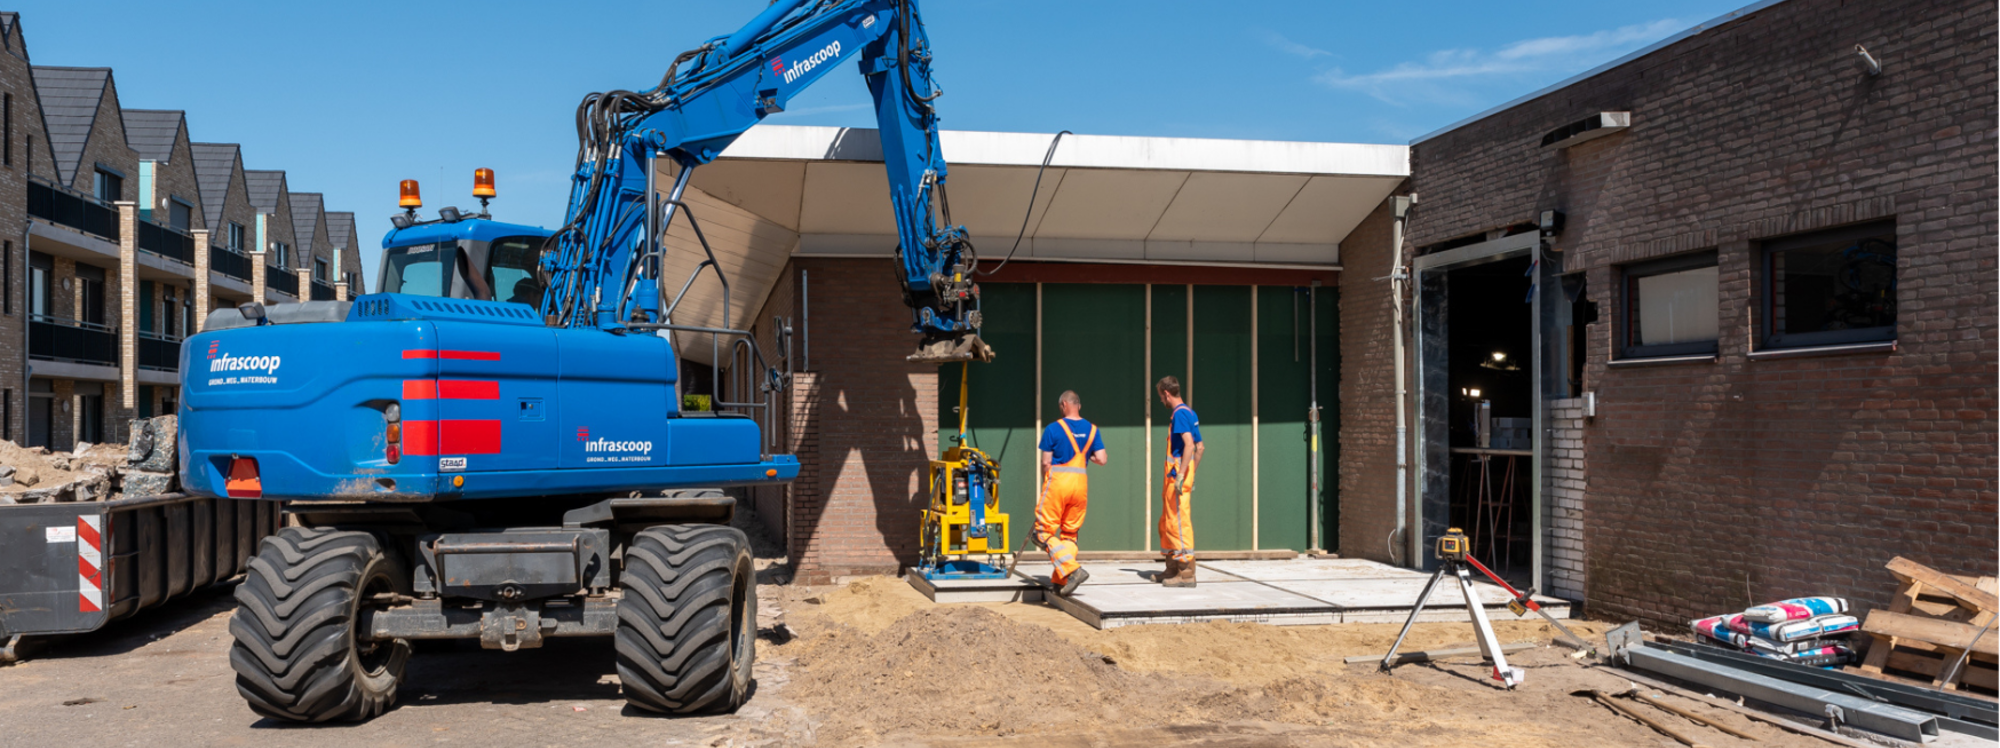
column 781, row 191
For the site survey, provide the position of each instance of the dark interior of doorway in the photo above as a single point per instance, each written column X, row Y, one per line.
column 1490, row 348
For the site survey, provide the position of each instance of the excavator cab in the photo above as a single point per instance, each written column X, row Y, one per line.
column 473, row 259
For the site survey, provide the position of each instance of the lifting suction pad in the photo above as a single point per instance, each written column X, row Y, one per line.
column 967, row 347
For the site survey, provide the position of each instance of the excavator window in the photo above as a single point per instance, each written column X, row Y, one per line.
column 418, row 269
column 510, row 270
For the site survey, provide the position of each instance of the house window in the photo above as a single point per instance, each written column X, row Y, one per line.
column 1670, row 307
column 169, row 311
column 41, row 269
column 7, row 278
column 180, row 215
column 281, row 255
column 319, row 269
column 7, row 132
column 90, row 293
column 108, row 186
column 236, row 237
column 1830, row 287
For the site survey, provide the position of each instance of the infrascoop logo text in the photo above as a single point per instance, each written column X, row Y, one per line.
column 606, row 445
column 226, row 362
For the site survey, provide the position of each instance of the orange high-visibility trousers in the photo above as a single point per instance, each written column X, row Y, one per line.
column 1176, row 516
column 1059, row 513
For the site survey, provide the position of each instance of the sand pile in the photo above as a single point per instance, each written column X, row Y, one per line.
column 974, row 671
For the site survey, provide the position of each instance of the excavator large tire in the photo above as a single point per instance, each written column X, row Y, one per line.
column 296, row 654
column 687, row 625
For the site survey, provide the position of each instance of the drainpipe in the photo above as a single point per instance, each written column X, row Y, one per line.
column 1398, row 277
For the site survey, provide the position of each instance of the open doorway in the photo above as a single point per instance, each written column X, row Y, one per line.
column 1490, row 429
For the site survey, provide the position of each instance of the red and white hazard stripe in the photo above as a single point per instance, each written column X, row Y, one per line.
column 90, row 562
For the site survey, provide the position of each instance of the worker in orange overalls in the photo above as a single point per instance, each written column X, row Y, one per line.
column 1065, row 445
column 1177, row 490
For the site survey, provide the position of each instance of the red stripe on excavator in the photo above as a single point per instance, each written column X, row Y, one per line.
column 469, row 438
column 454, row 355
column 420, row 438
column 451, row 437
column 467, row 389
column 450, row 389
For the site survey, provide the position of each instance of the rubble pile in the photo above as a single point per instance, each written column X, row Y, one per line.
column 93, row 472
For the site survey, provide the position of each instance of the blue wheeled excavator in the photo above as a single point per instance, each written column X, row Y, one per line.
column 495, row 448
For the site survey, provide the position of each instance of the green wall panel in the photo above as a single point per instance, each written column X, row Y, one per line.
column 1093, row 342
column 1328, row 306
column 1002, row 401
column 1220, row 394
column 1170, row 358
column 1283, row 396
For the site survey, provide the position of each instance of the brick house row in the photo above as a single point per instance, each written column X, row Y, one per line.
column 120, row 234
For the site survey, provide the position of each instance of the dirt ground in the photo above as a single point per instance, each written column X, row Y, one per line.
column 876, row 663
column 868, row 663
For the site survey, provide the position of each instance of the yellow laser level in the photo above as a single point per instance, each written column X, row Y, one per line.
column 1453, row 545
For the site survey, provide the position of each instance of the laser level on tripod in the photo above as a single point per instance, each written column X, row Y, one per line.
column 1455, row 558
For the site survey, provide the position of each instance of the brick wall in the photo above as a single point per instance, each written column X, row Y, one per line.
column 864, row 424
column 1714, row 484
column 1367, row 471
column 1564, row 486
column 18, row 83
column 107, row 146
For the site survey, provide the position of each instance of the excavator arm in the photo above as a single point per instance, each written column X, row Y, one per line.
column 603, row 266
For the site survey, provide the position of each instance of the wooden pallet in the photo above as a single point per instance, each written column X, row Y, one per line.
column 1933, row 618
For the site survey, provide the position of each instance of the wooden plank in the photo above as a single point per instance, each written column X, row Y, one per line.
column 1878, row 655
column 1940, row 582
column 1913, row 662
column 1941, row 633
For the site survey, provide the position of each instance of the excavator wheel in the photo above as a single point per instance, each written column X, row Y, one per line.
column 687, row 625
column 297, row 657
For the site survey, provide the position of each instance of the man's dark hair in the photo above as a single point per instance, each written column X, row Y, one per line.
column 1170, row 386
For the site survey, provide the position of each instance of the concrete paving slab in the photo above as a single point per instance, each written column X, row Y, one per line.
column 1012, row 590
column 1293, row 591
column 1331, row 568
column 1113, row 605
column 1106, row 572
column 1399, row 595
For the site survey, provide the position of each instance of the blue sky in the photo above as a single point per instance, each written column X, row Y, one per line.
column 350, row 97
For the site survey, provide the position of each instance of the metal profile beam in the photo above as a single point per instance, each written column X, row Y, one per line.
column 1887, row 719
column 1957, row 713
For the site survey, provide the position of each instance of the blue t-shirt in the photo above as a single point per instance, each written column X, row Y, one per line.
column 1054, row 440
column 1185, row 422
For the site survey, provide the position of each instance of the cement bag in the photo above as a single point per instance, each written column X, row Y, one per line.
column 1795, row 609
column 1792, row 631
column 1834, row 656
column 1717, row 629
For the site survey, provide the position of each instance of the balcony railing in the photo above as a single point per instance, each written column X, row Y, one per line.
column 166, row 241
column 281, row 279
column 229, row 263
column 75, row 211
column 159, row 352
column 322, row 291
column 69, row 340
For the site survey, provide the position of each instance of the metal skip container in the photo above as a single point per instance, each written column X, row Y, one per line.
column 69, row 568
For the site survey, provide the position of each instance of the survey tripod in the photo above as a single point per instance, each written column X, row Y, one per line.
column 1455, row 558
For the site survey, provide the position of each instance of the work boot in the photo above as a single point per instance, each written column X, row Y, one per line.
column 1173, row 569
column 1074, row 581
column 1182, row 577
